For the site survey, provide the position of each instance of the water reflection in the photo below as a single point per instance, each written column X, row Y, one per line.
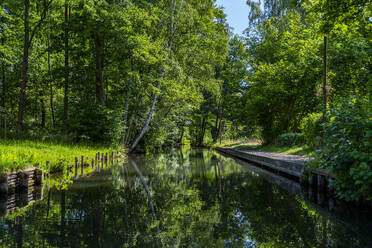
column 12, row 202
column 185, row 198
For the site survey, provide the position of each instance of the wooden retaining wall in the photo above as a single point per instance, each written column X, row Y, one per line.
column 287, row 164
column 19, row 180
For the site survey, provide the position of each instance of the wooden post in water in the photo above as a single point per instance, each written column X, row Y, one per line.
column 82, row 166
column 48, row 166
column 106, row 160
column 76, row 166
column 99, row 157
column 95, row 161
column 112, row 158
column 102, row 159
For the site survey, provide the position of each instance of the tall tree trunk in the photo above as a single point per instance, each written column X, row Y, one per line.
column 202, row 134
column 26, row 45
column 3, row 77
column 99, row 43
column 169, row 49
column 125, row 117
column 50, row 74
column 325, row 75
column 67, row 71
column 27, row 41
column 43, row 111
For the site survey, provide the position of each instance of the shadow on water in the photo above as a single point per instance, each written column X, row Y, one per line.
column 185, row 198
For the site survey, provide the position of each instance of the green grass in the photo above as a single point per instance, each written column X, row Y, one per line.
column 294, row 150
column 17, row 154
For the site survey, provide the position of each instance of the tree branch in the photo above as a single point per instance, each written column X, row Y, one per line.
column 42, row 18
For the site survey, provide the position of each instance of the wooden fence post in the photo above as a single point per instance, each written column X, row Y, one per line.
column 92, row 163
column 106, row 160
column 76, row 166
column 99, row 158
column 102, row 159
column 95, row 160
column 82, row 166
column 48, row 166
column 112, row 158
column 68, row 169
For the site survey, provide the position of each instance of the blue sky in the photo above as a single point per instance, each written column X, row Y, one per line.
column 237, row 14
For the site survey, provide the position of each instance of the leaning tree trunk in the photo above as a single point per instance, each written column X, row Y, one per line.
column 169, row 49
column 147, row 123
column 26, row 45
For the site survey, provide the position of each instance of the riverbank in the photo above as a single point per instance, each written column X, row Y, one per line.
column 21, row 154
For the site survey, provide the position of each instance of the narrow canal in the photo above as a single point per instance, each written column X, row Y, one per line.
column 184, row 198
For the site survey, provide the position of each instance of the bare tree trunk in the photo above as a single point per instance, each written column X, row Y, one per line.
column 99, row 44
column 325, row 76
column 49, row 74
column 147, row 123
column 24, row 68
column 169, row 49
column 67, row 71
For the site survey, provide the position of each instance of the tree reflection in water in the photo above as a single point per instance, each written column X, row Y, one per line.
column 199, row 199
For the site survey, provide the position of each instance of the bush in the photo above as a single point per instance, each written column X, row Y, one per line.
column 311, row 128
column 347, row 150
column 291, row 139
column 95, row 123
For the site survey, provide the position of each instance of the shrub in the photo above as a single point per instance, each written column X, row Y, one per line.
column 347, row 149
column 291, row 139
column 95, row 123
column 311, row 128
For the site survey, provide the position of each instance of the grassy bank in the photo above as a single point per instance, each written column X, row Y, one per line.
column 256, row 145
column 16, row 154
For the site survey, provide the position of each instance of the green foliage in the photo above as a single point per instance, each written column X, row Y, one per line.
column 311, row 129
column 291, row 139
column 107, row 124
column 347, row 150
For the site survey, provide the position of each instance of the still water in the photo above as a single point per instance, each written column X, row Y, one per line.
column 184, row 198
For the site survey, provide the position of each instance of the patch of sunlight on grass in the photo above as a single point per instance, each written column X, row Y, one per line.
column 257, row 145
column 18, row 154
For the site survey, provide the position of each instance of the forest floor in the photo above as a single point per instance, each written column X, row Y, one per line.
column 19, row 154
column 257, row 145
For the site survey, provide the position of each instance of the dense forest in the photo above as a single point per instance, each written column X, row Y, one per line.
column 149, row 74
